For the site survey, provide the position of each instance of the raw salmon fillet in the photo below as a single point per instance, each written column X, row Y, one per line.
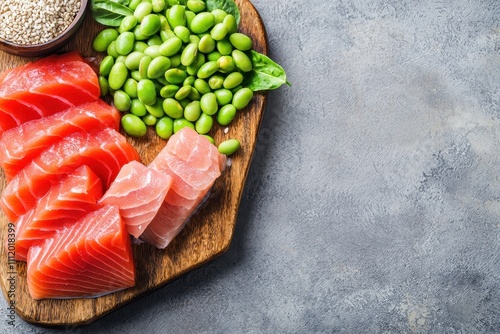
column 44, row 87
column 138, row 192
column 65, row 203
column 90, row 258
column 194, row 164
column 105, row 153
column 21, row 144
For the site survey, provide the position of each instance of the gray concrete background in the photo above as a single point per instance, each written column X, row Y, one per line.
column 372, row 203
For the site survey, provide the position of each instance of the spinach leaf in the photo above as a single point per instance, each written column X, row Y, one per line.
column 266, row 73
column 110, row 12
column 228, row 5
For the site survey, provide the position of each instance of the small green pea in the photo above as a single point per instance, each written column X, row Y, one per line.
column 183, row 33
column 202, row 22
column 231, row 24
column 242, row 61
column 226, row 64
column 229, row 146
column 189, row 54
column 171, row 46
column 133, row 125
column 130, row 87
column 219, row 32
column 172, row 108
column 169, row 91
column 183, row 93
column 175, row 76
column 125, row 43
column 233, row 80
column 104, row 39
column 202, row 86
column 208, row 103
column 224, row 96
column 165, row 127
column 133, row 60
column 103, row 85
column 142, row 10
column 138, row 108
column 182, row 123
column 149, row 119
column 128, row 23
column 242, row 97
column 196, row 5
column 158, row 67
column 156, row 109
column 206, row 44
column 176, row 16
column 117, row 76
column 106, row 65
column 224, row 47
column 226, row 114
column 216, row 82
column 146, row 91
column 121, row 100
column 241, row 41
column 219, row 15
column 208, row 69
column 192, row 111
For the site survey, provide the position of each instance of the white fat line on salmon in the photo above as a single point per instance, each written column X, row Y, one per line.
column 12, row 274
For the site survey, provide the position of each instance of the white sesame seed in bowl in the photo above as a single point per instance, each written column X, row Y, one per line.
column 33, row 28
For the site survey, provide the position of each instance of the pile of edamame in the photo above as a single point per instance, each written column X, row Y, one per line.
column 175, row 66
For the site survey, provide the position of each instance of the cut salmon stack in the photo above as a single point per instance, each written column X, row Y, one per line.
column 65, row 203
column 44, row 87
column 87, row 259
column 19, row 145
column 194, row 164
column 138, row 192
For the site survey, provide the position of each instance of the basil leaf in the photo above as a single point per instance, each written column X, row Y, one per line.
column 266, row 74
column 227, row 5
column 109, row 12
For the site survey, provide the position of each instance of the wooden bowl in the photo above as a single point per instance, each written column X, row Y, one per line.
column 38, row 50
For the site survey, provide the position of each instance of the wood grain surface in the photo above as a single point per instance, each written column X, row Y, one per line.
column 207, row 235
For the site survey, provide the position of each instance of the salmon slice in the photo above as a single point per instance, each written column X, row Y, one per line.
column 23, row 143
column 194, row 164
column 44, row 87
column 105, row 153
column 90, row 258
column 65, row 203
column 138, row 192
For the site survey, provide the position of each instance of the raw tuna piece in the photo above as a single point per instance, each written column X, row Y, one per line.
column 194, row 164
column 105, row 153
column 138, row 192
column 90, row 258
column 21, row 144
column 44, row 87
column 65, row 203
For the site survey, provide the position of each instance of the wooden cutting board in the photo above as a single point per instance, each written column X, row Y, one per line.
column 207, row 234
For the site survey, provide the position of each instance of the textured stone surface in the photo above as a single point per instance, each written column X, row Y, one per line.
column 372, row 204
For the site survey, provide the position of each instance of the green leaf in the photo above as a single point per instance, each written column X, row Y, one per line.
column 266, row 74
column 110, row 12
column 229, row 6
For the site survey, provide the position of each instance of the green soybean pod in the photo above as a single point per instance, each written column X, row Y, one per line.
column 242, row 97
column 136, row 75
column 226, row 64
column 172, row 108
column 226, row 114
column 156, row 109
column 219, row 15
column 111, row 50
column 104, row 39
column 153, row 51
column 224, row 47
column 183, row 33
column 194, row 95
column 208, row 69
column 214, row 56
column 128, row 23
column 210, row 139
column 176, row 16
column 142, row 10
column 208, row 103
column 192, row 111
column 241, row 41
column 202, row 22
column 143, row 66
column 117, row 76
column 149, row 119
column 106, row 65
column 154, row 40
column 219, row 31
column 121, row 100
column 206, row 44
column 224, row 96
column 133, row 4
column 125, row 43
column 165, row 127
column 103, row 85
column 140, row 46
column 196, row 5
column 133, row 60
column 130, row 87
column 138, row 108
column 175, row 76
column 188, row 55
column 182, row 93
column 229, row 146
column 216, row 82
column 158, row 5
column 202, row 86
column 169, row 91
column 171, row 46
column 204, row 124
column 231, row 24
column 146, row 91
column 242, row 61
column 133, row 125
column 158, row 67
column 233, row 80
column 182, row 123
